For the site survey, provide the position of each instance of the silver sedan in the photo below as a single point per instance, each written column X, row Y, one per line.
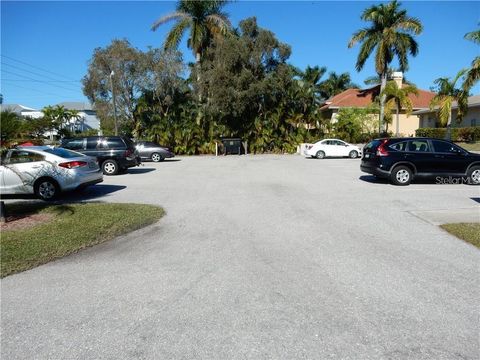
column 148, row 150
column 46, row 171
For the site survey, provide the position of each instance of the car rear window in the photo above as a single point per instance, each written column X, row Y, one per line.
column 373, row 145
column 418, row 146
column 130, row 143
column 116, row 143
column 64, row 153
column 399, row 146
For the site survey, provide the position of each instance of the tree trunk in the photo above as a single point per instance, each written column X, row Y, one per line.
column 383, row 84
column 448, row 134
column 397, row 130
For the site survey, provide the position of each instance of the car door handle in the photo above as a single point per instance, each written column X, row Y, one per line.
column 36, row 166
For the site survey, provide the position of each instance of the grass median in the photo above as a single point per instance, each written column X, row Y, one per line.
column 66, row 228
column 469, row 232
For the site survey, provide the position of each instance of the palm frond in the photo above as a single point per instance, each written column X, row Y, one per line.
column 358, row 36
column 176, row 33
column 170, row 17
column 473, row 75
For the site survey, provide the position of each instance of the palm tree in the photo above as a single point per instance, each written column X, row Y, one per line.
column 205, row 20
column 335, row 84
column 447, row 93
column 398, row 97
column 310, row 83
column 473, row 74
column 391, row 34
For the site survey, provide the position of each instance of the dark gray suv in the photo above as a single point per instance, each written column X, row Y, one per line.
column 114, row 153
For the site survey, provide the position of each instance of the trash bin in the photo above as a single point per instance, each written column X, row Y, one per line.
column 232, row 146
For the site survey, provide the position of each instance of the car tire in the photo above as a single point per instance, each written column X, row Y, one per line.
column 320, row 154
column 110, row 167
column 353, row 154
column 474, row 175
column 46, row 189
column 401, row 175
column 156, row 157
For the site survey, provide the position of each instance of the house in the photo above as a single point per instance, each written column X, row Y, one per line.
column 87, row 116
column 362, row 98
column 22, row 110
column 428, row 118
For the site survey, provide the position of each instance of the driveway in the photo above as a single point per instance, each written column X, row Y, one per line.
column 259, row 257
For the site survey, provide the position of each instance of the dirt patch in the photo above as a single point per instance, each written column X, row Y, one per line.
column 25, row 221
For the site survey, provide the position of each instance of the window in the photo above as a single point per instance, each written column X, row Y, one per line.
column 151, row 144
column 339, row 143
column 445, row 147
column 115, row 143
column 22, row 156
column 400, row 146
column 74, row 144
column 418, row 146
column 94, row 143
column 64, row 153
column 473, row 122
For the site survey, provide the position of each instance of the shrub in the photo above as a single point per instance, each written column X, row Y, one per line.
column 466, row 134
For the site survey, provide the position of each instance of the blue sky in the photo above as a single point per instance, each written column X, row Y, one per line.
column 43, row 42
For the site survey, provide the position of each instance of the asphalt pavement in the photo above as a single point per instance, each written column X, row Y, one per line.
column 259, row 257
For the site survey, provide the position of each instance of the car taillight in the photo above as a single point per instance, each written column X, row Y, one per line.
column 128, row 152
column 73, row 164
column 381, row 151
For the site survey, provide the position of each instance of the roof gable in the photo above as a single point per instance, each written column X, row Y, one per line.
column 365, row 97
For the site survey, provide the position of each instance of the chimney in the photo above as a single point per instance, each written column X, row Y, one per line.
column 397, row 76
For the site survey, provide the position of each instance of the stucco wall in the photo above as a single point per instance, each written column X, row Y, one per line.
column 472, row 118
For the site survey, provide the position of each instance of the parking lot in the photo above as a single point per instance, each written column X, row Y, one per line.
column 259, row 257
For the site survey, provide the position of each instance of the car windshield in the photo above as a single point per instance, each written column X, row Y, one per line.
column 64, row 153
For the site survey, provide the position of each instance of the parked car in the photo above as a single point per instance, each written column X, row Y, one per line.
column 403, row 159
column 149, row 150
column 46, row 171
column 332, row 148
column 114, row 153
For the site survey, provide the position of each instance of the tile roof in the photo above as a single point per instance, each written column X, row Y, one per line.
column 364, row 97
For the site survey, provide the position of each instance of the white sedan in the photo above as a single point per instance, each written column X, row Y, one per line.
column 332, row 148
column 46, row 171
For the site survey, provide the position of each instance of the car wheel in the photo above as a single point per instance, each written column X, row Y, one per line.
column 156, row 157
column 46, row 189
column 110, row 167
column 401, row 175
column 353, row 154
column 320, row 154
column 474, row 175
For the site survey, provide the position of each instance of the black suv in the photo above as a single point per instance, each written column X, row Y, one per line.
column 114, row 153
column 403, row 159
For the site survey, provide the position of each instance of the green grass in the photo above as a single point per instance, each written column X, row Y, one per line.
column 475, row 146
column 72, row 227
column 469, row 232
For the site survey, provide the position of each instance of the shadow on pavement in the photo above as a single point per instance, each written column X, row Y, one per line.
column 373, row 180
column 162, row 162
column 138, row 170
column 91, row 192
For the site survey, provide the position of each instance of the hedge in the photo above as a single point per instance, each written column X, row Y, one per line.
column 465, row 134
